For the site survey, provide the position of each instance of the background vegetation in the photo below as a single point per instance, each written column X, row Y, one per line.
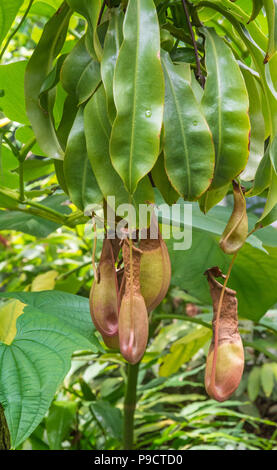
column 46, row 246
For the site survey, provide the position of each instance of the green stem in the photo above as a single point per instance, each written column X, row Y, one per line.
column 130, row 406
column 16, row 29
column 26, row 149
column 21, row 182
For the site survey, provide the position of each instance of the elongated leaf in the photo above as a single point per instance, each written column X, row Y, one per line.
column 273, row 153
column 36, row 362
column 253, row 384
column 257, row 134
column 89, row 81
column 256, row 8
column 138, row 94
column 98, row 130
column 225, row 104
column 263, row 175
column 212, row 197
column 267, row 379
column 8, row 12
column 74, row 65
column 183, row 350
column 90, row 10
column 113, row 41
column 37, row 70
column 162, row 182
column 269, row 214
column 80, row 180
column 109, row 416
column 188, row 146
column 271, row 15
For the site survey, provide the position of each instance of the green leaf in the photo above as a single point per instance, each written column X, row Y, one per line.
column 257, row 135
column 188, row 146
column 71, row 309
column 97, row 131
column 256, row 8
column 212, row 197
column 20, row 222
column 273, row 153
column 80, row 180
column 31, row 224
column 8, row 12
column 269, row 214
column 253, row 384
column 36, row 362
column 12, row 82
column 89, row 81
column 254, row 286
column 267, row 379
column 162, row 182
column 74, row 65
column 61, row 417
column 34, row 168
column 183, row 350
column 109, row 417
column 37, row 70
column 113, row 41
column 225, row 104
column 91, row 11
column 263, row 175
column 138, row 95
column 271, row 15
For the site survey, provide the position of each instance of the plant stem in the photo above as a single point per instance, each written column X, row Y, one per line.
column 16, row 29
column 199, row 74
column 130, row 406
column 21, row 182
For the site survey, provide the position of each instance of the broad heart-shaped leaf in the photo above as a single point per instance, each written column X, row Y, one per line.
column 80, row 180
column 113, row 41
column 257, row 135
column 8, row 12
column 37, row 70
column 138, row 95
column 97, row 131
column 53, row 326
column 188, row 146
column 225, row 104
